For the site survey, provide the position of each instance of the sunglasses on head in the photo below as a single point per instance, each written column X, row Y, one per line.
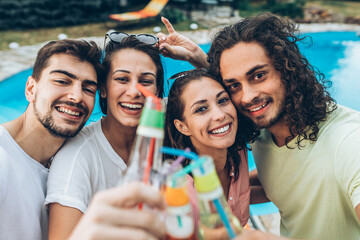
column 119, row 37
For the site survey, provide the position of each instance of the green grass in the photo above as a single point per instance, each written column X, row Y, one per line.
column 35, row 36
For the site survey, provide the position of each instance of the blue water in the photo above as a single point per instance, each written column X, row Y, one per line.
column 336, row 54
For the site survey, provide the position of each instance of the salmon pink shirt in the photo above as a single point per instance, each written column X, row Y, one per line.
column 239, row 193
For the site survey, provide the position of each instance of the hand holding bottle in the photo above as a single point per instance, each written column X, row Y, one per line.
column 112, row 214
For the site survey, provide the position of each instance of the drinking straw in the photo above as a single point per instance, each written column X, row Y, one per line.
column 176, row 163
column 149, row 163
column 179, row 152
column 150, row 160
column 189, row 168
column 147, row 93
column 224, row 218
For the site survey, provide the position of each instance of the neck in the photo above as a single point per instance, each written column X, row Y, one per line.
column 34, row 138
column 218, row 155
column 279, row 131
column 120, row 137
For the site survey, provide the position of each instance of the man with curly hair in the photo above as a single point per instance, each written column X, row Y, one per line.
column 307, row 153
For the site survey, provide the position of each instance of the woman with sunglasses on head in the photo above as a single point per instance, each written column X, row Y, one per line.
column 96, row 158
column 201, row 116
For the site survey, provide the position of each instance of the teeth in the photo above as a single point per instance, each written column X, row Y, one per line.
column 68, row 111
column 221, row 130
column 258, row 108
column 134, row 106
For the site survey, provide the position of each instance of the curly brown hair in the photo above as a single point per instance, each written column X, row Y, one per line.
column 307, row 101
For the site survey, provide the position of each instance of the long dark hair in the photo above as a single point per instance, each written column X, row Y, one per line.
column 175, row 110
column 132, row 43
column 307, row 101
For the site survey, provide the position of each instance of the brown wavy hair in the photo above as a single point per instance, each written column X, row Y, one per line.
column 307, row 101
column 175, row 110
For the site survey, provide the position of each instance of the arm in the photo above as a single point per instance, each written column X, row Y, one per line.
column 179, row 47
column 357, row 209
column 113, row 215
column 62, row 220
column 257, row 194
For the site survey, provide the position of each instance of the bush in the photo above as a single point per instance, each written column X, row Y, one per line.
column 22, row 14
column 174, row 15
column 291, row 9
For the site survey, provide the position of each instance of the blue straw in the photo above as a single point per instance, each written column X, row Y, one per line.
column 189, row 168
column 224, row 218
column 179, row 152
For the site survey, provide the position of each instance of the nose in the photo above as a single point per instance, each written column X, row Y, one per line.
column 249, row 93
column 76, row 93
column 132, row 91
column 218, row 114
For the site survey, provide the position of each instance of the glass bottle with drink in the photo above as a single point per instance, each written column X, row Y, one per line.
column 213, row 208
column 145, row 158
column 179, row 218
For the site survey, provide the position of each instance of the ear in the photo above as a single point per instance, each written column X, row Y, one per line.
column 181, row 127
column 102, row 92
column 30, row 89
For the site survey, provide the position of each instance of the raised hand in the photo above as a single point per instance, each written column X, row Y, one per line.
column 179, row 47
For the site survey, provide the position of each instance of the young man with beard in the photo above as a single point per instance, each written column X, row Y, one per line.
column 61, row 94
column 307, row 154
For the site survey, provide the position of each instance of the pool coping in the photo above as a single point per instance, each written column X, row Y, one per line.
column 16, row 60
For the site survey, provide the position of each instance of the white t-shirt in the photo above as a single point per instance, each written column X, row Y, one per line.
column 317, row 187
column 22, row 193
column 85, row 165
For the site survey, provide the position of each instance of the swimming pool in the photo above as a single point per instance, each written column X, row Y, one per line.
column 336, row 54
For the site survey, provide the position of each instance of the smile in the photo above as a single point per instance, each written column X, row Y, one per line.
column 258, row 108
column 69, row 111
column 132, row 106
column 220, row 130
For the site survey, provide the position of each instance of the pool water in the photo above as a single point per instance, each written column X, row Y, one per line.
column 336, row 54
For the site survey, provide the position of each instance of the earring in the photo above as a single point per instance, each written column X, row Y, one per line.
column 102, row 94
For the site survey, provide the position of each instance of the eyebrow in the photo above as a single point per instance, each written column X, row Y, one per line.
column 254, row 69
column 204, row 100
column 126, row 71
column 248, row 73
column 70, row 75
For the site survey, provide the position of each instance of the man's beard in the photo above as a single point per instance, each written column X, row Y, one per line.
column 269, row 123
column 48, row 122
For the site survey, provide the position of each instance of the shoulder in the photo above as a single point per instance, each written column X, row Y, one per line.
column 340, row 124
column 79, row 149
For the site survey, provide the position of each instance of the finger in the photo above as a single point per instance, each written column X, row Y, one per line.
column 131, row 218
column 131, row 195
column 162, row 38
column 164, row 53
column 168, row 25
column 168, row 49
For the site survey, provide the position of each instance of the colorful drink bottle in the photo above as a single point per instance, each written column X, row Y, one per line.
column 145, row 158
column 179, row 219
column 213, row 208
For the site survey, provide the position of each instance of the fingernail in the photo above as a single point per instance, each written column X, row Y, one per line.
column 163, row 38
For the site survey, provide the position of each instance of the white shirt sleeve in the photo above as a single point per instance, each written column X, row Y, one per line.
column 69, row 181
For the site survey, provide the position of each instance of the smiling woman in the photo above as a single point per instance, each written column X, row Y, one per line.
column 201, row 116
column 96, row 158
